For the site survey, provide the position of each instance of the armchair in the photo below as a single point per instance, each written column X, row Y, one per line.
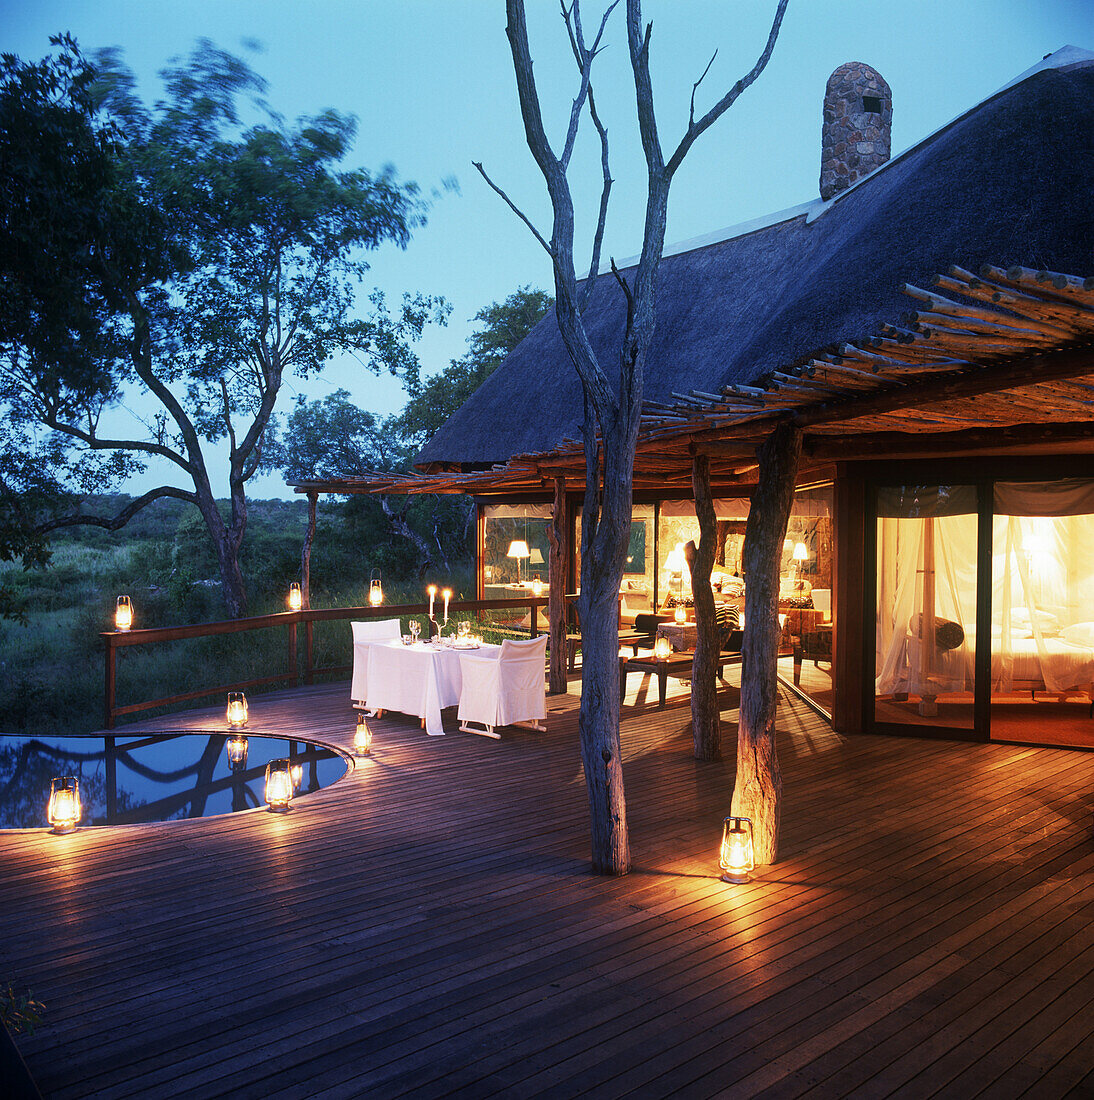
column 505, row 690
column 364, row 634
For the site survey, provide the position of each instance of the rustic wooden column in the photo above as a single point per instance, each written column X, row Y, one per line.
column 558, row 535
column 758, row 788
column 305, row 556
column 705, row 721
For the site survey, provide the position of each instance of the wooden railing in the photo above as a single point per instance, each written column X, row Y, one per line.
column 295, row 671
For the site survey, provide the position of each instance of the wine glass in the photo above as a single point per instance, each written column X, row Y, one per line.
column 415, row 629
column 463, row 629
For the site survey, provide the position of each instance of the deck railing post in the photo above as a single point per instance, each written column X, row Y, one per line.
column 533, row 626
column 292, row 653
column 109, row 694
column 308, row 650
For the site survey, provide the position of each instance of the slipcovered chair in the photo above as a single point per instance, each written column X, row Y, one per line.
column 364, row 634
column 505, row 690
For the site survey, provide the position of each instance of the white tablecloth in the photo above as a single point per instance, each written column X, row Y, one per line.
column 417, row 679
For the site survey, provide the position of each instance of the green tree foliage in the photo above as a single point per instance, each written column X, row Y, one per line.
column 214, row 259
column 502, row 326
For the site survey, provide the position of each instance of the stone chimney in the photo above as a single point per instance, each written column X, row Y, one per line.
column 858, row 122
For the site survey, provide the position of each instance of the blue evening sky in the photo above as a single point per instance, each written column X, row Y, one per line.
column 431, row 84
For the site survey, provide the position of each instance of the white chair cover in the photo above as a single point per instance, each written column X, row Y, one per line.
column 364, row 633
column 505, row 689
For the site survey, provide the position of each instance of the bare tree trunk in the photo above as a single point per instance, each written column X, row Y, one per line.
column 559, row 538
column 399, row 523
column 305, row 554
column 705, row 720
column 758, row 789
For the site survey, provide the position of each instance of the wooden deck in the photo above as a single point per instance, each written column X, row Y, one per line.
column 428, row 926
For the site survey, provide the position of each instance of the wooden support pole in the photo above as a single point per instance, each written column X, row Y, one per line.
column 305, row 556
column 558, row 535
column 757, row 793
column 705, row 720
column 110, row 685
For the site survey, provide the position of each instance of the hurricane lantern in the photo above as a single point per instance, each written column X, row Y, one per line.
column 680, row 614
column 362, row 737
column 537, row 587
column 123, row 613
column 662, row 647
column 237, row 710
column 375, row 589
column 737, row 860
column 296, row 597
column 235, row 749
column 279, row 786
column 64, row 810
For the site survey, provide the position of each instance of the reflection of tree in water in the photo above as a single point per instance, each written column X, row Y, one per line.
column 25, row 773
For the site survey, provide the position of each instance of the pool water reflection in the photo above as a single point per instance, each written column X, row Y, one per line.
column 130, row 778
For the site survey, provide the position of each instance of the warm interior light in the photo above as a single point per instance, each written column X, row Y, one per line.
column 123, row 613
column 236, row 750
column 535, row 556
column 801, row 552
column 537, row 587
column 662, row 647
column 237, row 710
column 296, row 597
column 518, row 548
column 736, row 856
column 675, row 560
column 279, row 786
column 680, row 614
column 362, row 737
column 64, row 810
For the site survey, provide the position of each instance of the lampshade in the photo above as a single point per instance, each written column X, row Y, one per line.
column 801, row 552
column 518, row 548
column 536, row 556
column 675, row 561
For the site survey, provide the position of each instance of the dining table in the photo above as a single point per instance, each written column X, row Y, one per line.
column 419, row 679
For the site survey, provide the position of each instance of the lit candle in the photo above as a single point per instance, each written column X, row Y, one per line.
column 447, row 596
column 432, row 590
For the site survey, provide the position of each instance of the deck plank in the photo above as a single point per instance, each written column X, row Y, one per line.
column 427, row 926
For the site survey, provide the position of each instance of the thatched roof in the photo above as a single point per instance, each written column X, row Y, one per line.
column 1010, row 180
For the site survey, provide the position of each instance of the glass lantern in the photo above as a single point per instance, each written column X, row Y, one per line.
column 537, row 587
column 680, row 614
column 235, row 749
column 375, row 589
column 662, row 647
column 237, row 710
column 737, row 859
column 123, row 613
column 279, row 786
column 64, row 809
column 362, row 738
column 296, row 596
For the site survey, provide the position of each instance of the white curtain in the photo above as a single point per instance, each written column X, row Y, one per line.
column 1042, row 596
column 1042, row 583
column 926, row 589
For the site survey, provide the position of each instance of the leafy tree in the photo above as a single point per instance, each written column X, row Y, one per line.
column 503, row 325
column 217, row 259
